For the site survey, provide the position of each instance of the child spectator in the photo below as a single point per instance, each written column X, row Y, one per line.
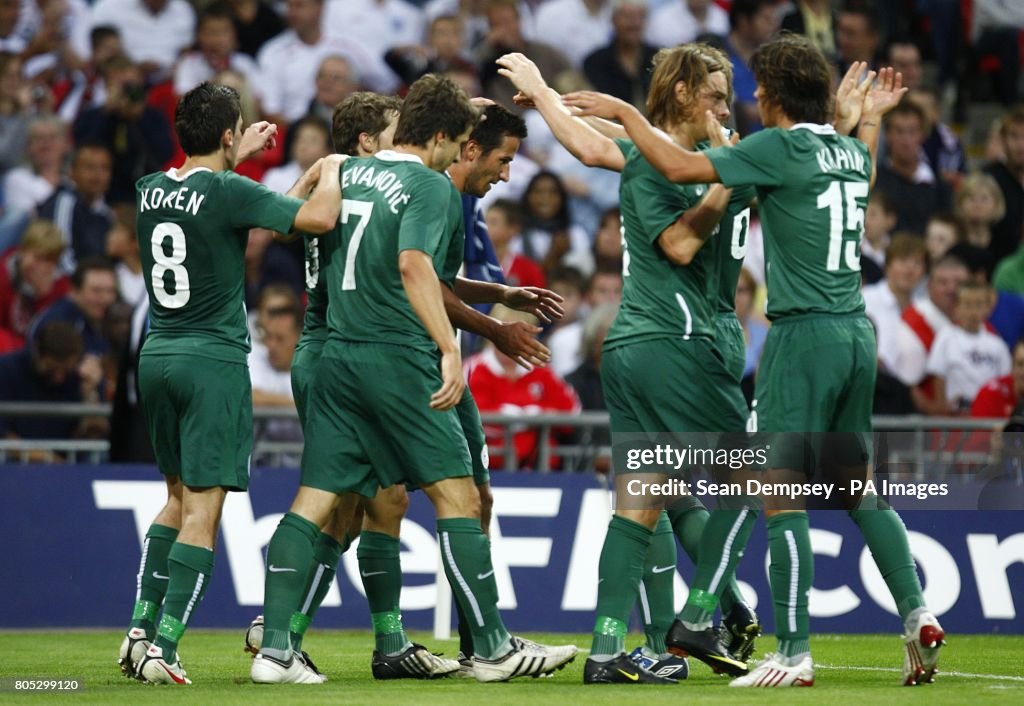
column 979, row 206
column 216, row 49
column 123, row 249
column 604, row 287
column 30, row 281
column 943, row 231
column 549, row 236
column 505, row 226
column 885, row 301
column 878, row 224
column 999, row 396
column 608, row 241
column 966, row 355
column 499, row 384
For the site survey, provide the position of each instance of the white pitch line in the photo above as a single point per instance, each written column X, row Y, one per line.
column 941, row 674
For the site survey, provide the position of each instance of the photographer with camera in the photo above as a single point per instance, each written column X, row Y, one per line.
column 136, row 134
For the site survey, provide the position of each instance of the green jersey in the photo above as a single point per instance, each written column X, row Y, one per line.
column 659, row 299
column 390, row 202
column 728, row 244
column 192, row 230
column 314, row 325
column 812, row 188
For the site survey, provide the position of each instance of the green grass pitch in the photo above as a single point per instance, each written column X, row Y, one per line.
column 861, row 669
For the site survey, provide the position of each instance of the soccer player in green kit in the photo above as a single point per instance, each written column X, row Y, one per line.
column 664, row 332
column 382, row 410
column 193, row 224
column 362, row 125
column 812, row 185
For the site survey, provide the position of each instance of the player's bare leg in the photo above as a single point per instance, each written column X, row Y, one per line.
column 152, row 579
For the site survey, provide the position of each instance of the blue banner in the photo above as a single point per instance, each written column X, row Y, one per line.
column 72, row 537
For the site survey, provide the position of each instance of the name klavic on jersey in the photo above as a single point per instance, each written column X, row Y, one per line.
column 659, row 299
column 390, row 202
column 192, row 230
column 812, row 187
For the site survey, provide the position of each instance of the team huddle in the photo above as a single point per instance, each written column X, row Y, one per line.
column 379, row 387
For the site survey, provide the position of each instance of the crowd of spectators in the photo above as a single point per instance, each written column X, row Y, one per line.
column 87, row 95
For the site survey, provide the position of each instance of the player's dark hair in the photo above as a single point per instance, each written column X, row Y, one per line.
column 497, row 123
column 90, row 263
column 691, row 64
column 434, row 104
column 904, row 108
column 795, row 77
column 512, row 211
column 59, row 340
column 202, row 116
column 100, row 32
column 746, row 9
column 361, row 112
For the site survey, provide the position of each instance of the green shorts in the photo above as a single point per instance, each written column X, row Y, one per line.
column 307, row 355
column 668, row 387
column 473, row 428
column 817, row 375
column 199, row 414
column 370, row 425
column 731, row 344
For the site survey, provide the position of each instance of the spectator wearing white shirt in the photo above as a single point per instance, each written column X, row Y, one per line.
column 28, row 186
column 966, row 355
column 216, row 50
column 589, row 22
column 879, row 220
column 310, row 140
column 270, row 373
column 289, row 62
column 885, row 301
column 473, row 15
column 681, row 21
column 381, row 24
column 154, row 32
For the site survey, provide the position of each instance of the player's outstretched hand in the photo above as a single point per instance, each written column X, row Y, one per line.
column 542, row 303
column 885, row 95
column 523, row 73
column 256, row 138
column 600, row 105
column 454, row 382
column 522, row 101
column 518, row 340
column 850, row 96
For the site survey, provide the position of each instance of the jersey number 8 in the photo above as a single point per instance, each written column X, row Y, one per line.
column 172, row 263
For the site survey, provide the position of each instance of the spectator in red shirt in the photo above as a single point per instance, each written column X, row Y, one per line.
column 998, row 397
column 30, row 281
column 505, row 226
column 499, row 384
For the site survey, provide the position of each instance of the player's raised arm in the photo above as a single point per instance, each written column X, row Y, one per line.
column 320, row 213
column 424, row 292
column 850, row 97
column 879, row 100
column 583, row 141
column 677, row 164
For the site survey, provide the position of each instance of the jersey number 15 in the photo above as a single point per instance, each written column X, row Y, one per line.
column 845, row 216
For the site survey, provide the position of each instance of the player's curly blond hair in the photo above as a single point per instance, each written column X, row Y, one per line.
column 691, row 64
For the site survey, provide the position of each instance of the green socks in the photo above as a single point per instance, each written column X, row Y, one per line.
column 791, row 575
column 722, row 541
column 381, row 570
column 886, row 537
column 466, row 555
column 326, row 554
column 620, row 569
column 289, row 560
column 657, row 594
column 153, row 578
column 189, row 569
